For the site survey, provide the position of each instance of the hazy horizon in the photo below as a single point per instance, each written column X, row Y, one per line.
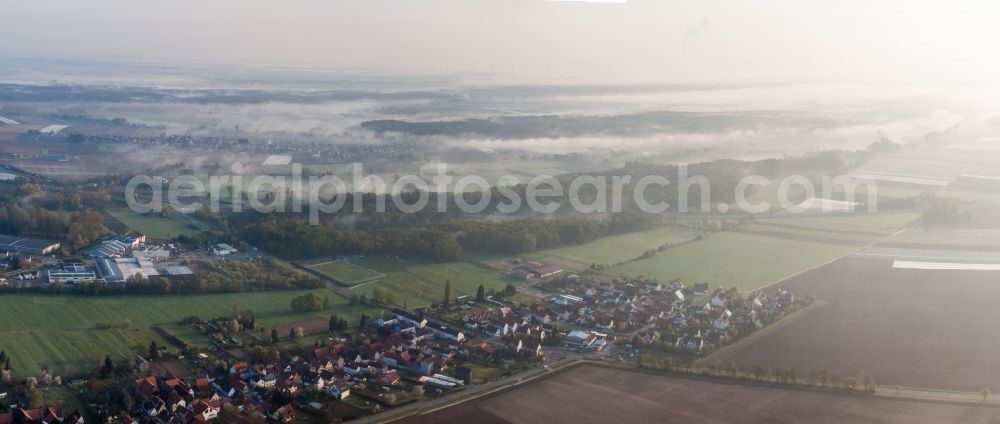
column 529, row 40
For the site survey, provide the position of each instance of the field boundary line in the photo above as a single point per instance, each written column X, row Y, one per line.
column 764, row 332
column 773, row 283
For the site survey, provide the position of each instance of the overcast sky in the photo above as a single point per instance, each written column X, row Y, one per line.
column 641, row 41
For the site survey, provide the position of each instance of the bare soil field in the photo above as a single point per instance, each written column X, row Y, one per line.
column 171, row 366
column 310, row 326
column 938, row 246
column 565, row 264
column 915, row 328
column 591, row 393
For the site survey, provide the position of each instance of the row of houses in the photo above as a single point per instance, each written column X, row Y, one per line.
column 47, row 415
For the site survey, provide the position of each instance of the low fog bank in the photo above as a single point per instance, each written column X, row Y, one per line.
column 748, row 120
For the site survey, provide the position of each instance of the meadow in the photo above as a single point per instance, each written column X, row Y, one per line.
column 51, row 330
column 730, row 259
column 154, row 227
column 622, row 247
column 418, row 283
column 758, row 254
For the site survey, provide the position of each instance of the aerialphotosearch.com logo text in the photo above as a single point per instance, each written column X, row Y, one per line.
column 328, row 194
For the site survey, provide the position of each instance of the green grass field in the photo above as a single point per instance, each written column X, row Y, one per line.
column 420, row 283
column 344, row 273
column 155, row 227
column 879, row 223
column 622, row 247
column 946, row 240
column 736, row 260
column 42, row 330
column 749, row 261
column 482, row 373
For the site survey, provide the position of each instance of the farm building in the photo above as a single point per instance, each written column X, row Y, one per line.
column 27, row 246
column 529, row 270
column 223, row 249
column 437, row 383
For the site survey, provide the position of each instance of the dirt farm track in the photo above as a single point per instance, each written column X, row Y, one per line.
column 598, row 394
column 915, row 328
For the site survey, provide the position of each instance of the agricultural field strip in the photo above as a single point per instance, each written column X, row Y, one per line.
column 920, row 180
column 929, row 255
column 621, row 247
column 943, row 242
column 945, row 266
column 815, row 228
column 604, row 393
column 748, row 252
column 833, row 260
column 743, row 251
column 797, row 236
column 886, row 321
column 733, row 260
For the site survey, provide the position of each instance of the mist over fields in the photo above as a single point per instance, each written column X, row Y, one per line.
column 482, row 113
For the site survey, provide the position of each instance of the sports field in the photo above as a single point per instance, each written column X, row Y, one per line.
column 44, row 330
column 345, row 273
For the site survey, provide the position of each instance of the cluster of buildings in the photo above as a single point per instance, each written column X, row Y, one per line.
column 116, row 247
column 671, row 314
column 513, row 331
column 165, row 399
column 46, row 415
column 117, row 260
column 405, row 351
